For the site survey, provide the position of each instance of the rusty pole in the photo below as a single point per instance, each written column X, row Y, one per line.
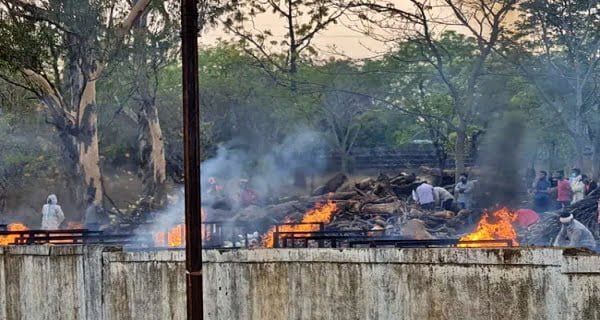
column 191, row 138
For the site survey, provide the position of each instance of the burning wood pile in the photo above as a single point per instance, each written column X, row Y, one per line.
column 378, row 206
column 372, row 207
column 381, row 205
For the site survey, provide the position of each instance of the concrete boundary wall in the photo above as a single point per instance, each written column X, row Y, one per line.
column 521, row 283
column 96, row 282
column 90, row 282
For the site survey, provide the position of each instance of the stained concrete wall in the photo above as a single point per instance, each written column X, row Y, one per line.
column 402, row 284
column 75, row 282
column 144, row 285
column 91, row 283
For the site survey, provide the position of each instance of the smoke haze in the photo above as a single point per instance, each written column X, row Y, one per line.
column 502, row 159
column 268, row 174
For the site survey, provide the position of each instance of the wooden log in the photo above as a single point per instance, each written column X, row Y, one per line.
column 318, row 191
column 405, row 190
column 381, row 208
column 276, row 212
column 366, row 184
column 337, row 196
column 347, row 186
column 332, row 185
column 401, row 180
column 415, row 229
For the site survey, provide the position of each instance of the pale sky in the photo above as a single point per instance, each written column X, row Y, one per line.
column 337, row 38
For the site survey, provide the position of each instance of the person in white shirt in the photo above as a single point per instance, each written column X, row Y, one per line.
column 443, row 198
column 577, row 186
column 423, row 195
column 52, row 214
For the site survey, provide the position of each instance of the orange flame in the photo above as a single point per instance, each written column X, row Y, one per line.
column 175, row 237
column 495, row 226
column 8, row 239
column 321, row 213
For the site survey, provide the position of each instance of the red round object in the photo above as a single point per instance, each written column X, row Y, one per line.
column 526, row 217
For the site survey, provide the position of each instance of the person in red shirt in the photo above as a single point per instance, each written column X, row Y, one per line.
column 563, row 190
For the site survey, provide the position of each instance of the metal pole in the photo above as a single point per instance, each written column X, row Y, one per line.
column 191, row 138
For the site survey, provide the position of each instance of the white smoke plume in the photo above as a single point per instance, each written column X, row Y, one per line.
column 267, row 173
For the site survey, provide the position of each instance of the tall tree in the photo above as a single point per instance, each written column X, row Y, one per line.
column 279, row 51
column 343, row 100
column 420, row 24
column 61, row 48
column 557, row 47
column 153, row 47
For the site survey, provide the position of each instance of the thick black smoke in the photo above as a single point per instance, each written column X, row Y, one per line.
column 501, row 159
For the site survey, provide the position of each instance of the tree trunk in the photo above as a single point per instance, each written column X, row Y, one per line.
column 459, row 149
column 151, row 146
column 77, row 123
column 595, row 172
column 579, row 150
column 151, row 154
column 440, row 155
column 87, row 141
column 344, row 159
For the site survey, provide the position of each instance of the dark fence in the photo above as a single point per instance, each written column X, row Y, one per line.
column 412, row 156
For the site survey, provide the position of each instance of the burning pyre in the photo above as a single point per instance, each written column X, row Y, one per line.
column 321, row 213
column 8, row 239
column 497, row 225
column 174, row 237
column 17, row 226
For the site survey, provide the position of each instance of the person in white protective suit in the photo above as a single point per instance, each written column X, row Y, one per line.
column 52, row 214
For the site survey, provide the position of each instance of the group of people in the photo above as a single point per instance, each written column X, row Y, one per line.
column 560, row 191
column 53, row 215
column 430, row 197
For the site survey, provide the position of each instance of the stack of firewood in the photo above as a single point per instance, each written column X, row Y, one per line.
column 376, row 203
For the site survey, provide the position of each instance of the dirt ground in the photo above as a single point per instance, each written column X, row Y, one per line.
column 24, row 204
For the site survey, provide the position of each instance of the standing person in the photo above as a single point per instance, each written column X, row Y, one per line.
column 563, row 191
column 423, row 195
column 575, row 174
column 553, row 191
column 464, row 191
column 577, row 186
column 52, row 214
column 541, row 197
column 92, row 215
column 573, row 233
column 443, row 198
column 590, row 185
